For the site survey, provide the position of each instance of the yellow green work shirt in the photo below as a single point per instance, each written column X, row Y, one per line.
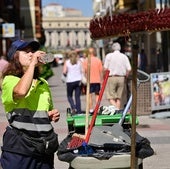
column 38, row 98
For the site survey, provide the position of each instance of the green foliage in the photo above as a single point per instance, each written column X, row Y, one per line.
column 46, row 71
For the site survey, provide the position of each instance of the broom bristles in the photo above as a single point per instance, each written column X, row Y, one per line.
column 76, row 141
column 124, row 24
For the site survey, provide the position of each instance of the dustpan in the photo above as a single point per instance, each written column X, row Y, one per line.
column 115, row 134
column 111, row 134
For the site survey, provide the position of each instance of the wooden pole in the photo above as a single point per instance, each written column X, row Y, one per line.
column 134, row 102
column 87, row 94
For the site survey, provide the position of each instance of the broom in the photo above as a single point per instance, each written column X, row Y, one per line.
column 123, row 24
column 77, row 139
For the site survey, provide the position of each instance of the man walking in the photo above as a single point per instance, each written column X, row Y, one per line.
column 119, row 66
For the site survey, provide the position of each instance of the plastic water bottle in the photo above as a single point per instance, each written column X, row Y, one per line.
column 47, row 58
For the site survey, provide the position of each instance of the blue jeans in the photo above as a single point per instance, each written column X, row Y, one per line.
column 74, row 87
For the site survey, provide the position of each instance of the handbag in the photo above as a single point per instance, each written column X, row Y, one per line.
column 83, row 79
column 63, row 78
column 44, row 145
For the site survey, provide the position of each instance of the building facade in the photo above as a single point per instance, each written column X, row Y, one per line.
column 66, row 32
column 31, row 17
column 146, row 41
column 26, row 16
column 65, row 28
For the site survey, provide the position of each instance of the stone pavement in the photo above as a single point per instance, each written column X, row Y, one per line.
column 156, row 130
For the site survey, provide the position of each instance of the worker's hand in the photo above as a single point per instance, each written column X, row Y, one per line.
column 54, row 115
column 36, row 57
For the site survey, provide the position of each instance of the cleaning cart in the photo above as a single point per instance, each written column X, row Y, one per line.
column 118, row 160
column 121, row 161
column 109, row 141
column 76, row 122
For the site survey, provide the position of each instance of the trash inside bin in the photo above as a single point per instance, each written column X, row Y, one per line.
column 113, row 156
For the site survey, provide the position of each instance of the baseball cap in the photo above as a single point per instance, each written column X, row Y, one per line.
column 21, row 44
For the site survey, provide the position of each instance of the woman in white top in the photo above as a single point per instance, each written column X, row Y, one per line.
column 73, row 70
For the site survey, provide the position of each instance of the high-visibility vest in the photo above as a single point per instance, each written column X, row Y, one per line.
column 28, row 113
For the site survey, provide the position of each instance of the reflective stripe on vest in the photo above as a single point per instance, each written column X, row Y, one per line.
column 32, row 121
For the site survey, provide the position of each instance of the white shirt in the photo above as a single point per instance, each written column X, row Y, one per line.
column 118, row 63
column 74, row 72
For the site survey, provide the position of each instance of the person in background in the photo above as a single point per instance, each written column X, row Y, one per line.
column 29, row 140
column 96, row 76
column 73, row 71
column 83, row 85
column 142, row 60
column 3, row 65
column 119, row 66
column 159, row 62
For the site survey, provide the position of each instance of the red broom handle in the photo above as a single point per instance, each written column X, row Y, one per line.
column 97, row 107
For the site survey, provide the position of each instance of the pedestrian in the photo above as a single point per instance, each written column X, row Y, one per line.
column 29, row 140
column 159, row 63
column 3, row 65
column 142, row 60
column 96, row 76
column 73, row 71
column 119, row 66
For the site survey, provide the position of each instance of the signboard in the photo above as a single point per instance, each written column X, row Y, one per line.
column 160, row 90
column 8, row 30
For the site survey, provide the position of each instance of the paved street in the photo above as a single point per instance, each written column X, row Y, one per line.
column 156, row 130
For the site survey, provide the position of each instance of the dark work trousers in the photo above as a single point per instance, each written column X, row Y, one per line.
column 76, row 88
column 17, row 161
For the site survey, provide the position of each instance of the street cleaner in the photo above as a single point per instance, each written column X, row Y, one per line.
column 29, row 140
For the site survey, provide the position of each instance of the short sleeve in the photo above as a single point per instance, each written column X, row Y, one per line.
column 107, row 61
column 8, row 85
